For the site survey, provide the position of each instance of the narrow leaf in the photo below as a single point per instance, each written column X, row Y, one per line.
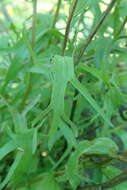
column 89, row 98
column 7, row 148
column 12, row 169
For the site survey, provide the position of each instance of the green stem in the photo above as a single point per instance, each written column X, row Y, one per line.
column 34, row 23
column 77, row 27
column 75, row 2
column 29, row 75
column 56, row 13
column 122, row 26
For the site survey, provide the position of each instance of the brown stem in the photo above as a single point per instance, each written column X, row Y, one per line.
column 109, row 184
column 116, row 180
column 108, row 156
column 56, row 13
column 29, row 87
column 68, row 27
column 84, row 47
column 93, row 33
column 35, row 180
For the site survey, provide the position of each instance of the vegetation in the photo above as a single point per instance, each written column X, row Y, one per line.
column 63, row 96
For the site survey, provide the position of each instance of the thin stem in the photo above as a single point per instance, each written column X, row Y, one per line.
column 56, row 13
column 29, row 76
column 109, row 184
column 119, row 156
column 84, row 47
column 93, row 33
column 34, row 23
column 77, row 30
column 122, row 26
column 77, row 27
column 68, row 26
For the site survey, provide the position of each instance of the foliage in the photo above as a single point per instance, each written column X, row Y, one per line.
column 63, row 97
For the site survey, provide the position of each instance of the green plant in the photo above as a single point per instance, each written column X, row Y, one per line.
column 63, row 98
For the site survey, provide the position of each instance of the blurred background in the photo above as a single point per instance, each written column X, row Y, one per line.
column 17, row 11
